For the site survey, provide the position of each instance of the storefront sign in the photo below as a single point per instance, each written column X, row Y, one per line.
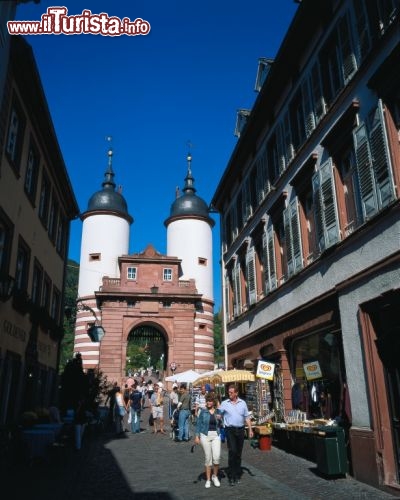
column 265, row 369
column 312, row 370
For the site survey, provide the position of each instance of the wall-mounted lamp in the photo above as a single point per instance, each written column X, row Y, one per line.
column 6, row 287
column 96, row 332
column 154, row 289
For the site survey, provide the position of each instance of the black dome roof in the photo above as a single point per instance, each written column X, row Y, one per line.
column 107, row 199
column 189, row 204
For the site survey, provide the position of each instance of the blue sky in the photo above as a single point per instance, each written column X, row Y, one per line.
column 184, row 81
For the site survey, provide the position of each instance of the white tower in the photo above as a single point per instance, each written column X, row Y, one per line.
column 105, row 236
column 189, row 237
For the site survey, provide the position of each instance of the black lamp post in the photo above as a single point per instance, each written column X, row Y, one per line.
column 6, row 287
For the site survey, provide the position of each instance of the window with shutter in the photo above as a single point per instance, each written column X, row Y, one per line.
column 292, row 238
column 262, row 177
column 251, row 276
column 325, row 206
column 348, row 59
column 316, row 93
column 381, row 158
column 365, row 174
column 226, row 292
column 309, row 118
column 269, row 259
column 246, row 200
column 237, row 295
column 363, row 43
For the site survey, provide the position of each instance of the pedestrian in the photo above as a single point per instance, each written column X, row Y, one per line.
column 200, row 401
column 174, row 398
column 150, row 389
column 236, row 415
column 207, row 434
column 135, row 408
column 166, row 405
column 157, row 409
column 119, row 411
column 127, row 403
column 184, row 414
column 80, row 422
column 111, row 400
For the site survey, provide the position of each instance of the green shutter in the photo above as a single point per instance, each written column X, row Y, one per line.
column 325, row 206
column 251, row 276
column 381, row 159
column 365, row 173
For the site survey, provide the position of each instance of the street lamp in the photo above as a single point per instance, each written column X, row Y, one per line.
column 96, row 332
column 6, row 287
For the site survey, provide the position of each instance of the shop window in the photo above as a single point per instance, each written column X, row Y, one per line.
column 316, row 362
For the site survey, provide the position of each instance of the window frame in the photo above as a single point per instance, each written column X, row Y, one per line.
column 167, row 274
column 128, row 270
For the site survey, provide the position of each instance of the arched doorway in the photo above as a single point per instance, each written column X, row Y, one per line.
column 146, row 350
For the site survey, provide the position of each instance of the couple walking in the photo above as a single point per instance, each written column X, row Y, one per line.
column 234, row 415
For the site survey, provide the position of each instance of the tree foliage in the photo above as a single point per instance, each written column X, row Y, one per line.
column 71, row 294
column 218, row 339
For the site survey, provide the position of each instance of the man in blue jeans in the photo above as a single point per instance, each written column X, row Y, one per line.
column 184, row 414
column 236, row 416
column 136, row 407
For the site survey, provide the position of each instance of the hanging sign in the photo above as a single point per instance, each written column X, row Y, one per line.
column 312, row 370
column 265, row 369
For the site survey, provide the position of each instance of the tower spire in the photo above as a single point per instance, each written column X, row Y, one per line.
column 189, row 179
column 109, row 174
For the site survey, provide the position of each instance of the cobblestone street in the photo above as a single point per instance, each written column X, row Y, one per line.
column 147, row 466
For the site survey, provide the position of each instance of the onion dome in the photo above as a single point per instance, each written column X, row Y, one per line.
column 189, row 204
column 107, row 199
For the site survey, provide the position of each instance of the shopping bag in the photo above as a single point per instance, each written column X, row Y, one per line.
column 129, row 418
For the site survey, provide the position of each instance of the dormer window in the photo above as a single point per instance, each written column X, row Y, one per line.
column 131, row 273
column 241, row 119
column 167, row 274
column 264, row 65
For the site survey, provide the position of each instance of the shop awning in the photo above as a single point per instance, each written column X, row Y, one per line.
column 225, row 377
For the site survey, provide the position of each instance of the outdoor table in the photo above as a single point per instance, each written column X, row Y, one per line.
column 56, row 428
column 38, row 441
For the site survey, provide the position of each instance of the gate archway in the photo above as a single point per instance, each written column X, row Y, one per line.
column 146, row 348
